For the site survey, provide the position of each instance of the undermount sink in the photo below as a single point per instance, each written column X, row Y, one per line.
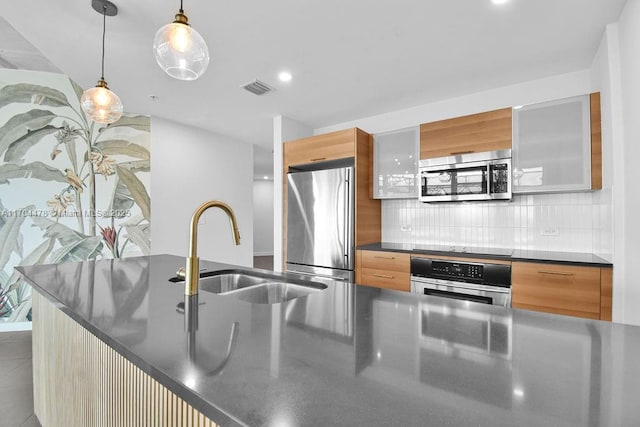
column 256, row 288
column 272, row 292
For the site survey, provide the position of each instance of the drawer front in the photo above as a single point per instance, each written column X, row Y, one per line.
column 392, row 261
column 385, row 279
column 570, row 290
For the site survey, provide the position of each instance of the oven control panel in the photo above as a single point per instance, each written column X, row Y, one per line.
column 457, row 270
column 471, row 272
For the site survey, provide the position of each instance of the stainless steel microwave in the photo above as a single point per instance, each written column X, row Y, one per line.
column 463, row 177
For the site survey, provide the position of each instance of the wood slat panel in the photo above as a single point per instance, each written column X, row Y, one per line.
column 557, row 288
column 79, row 381
column 606, row 293
column 596, row 141
column 486, row 131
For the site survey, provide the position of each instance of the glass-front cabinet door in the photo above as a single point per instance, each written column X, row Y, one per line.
column 395, row 164
column 552, row 146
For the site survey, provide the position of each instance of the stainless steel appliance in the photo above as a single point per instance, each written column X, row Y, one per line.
column 474, row 176
column 470, row 281
column 320, row 222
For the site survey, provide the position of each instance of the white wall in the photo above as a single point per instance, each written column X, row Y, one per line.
column 263, row 217
column 284, row 129
column 606, row 78
column 190, row 166
column 629, row 153
column 556, row 87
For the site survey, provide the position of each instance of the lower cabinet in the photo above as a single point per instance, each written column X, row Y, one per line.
column 562, row 289
column 390, row 270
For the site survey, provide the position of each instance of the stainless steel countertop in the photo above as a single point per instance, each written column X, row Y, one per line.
column 354, row 355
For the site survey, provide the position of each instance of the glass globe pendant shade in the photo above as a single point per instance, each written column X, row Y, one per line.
column 180, row 50
column 100, row 104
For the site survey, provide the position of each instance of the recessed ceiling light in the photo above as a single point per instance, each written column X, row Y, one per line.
column 499, row 1
column 285, row 76
column 266, row 177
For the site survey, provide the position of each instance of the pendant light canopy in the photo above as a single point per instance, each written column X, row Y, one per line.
column 99, row 103
column 180, row 50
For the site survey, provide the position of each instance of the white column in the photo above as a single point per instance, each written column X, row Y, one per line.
column 284, row 129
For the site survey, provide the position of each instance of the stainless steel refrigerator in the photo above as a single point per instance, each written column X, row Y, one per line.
column 320, row 222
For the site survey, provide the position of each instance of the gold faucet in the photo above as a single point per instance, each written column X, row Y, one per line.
column 192, row 271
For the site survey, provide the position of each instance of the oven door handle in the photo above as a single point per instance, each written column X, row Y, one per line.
column 462, row 285
column 457, row 296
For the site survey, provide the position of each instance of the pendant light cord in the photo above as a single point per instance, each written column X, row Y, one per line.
column 104, row 25
column 181, row 10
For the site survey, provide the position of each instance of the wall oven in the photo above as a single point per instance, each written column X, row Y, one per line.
column 480, row 282
column 463, row 177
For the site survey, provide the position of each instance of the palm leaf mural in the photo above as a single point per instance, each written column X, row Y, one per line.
column 9, row 234
column 140, row 235
column 37, row 170
column 137, row 190
column 122, row 147
column 82, row 250
column 134, row 122
column 19, row 147
column 30, row 93
column 48, row 146
column 20, row 125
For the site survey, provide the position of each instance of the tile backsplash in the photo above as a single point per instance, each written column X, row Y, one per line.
column 566, row 222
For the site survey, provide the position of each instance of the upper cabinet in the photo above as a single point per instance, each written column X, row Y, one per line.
column 476, row 133
column 321, row 148
column 395, row 164
column 557, row 146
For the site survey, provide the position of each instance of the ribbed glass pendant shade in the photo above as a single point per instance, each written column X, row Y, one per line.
column 100, row 104
column 180, row 50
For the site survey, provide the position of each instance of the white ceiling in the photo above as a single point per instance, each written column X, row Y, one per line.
column 350, row 59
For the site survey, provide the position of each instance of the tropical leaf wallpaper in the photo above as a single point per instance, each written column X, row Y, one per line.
column 70, row 189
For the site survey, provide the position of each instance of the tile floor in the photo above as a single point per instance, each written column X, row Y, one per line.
column 16, row 380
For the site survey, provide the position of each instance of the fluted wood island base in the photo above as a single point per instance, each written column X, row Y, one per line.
column 80, row 381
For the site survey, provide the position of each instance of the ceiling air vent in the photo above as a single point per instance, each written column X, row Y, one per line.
column 257, row 87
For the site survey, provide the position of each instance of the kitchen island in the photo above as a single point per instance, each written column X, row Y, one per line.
column 347, row 355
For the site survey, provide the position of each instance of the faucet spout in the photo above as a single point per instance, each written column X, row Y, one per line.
column 192, row 270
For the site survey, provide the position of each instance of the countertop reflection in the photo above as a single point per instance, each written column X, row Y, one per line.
column 353, row 355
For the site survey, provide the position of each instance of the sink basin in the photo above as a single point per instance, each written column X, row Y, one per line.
column 273, row 292
column 256, row 288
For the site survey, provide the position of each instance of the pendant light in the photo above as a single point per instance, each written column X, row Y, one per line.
column 99, row 103
column 180, row 50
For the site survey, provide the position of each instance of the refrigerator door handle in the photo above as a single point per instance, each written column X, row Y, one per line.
column 347, row 219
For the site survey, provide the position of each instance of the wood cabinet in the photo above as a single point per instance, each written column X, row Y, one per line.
column 351, row 143
column 475, row 133
column 562, row 289
column 557, row 146
column 321, row 148
column 390, row 270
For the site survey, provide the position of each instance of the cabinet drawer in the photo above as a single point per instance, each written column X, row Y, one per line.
column 388, row 279
column 320, row 148
column 391, row 261
column 475, row 133
column 556, row 288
